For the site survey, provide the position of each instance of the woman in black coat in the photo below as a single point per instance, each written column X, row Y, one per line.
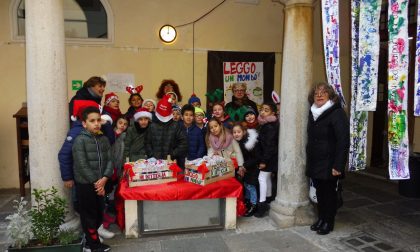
column 326, row 151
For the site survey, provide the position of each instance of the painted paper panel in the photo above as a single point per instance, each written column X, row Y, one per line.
column 358, row 119
column 397, row 89
column 330, row 30
column 417, row 68
column 367, row 89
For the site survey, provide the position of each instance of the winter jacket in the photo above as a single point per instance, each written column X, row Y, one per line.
column 164, row 139
column 248, row 147
column 117, row 152
column 328, row 143
column 65, row 156
column 237, row 108
column 92, row 158
column 135, row 143
column 196, row 144
column 83, row 94
column 268, row 146
column 233, row 150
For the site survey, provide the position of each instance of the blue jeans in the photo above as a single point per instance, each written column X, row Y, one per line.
column 251, row 193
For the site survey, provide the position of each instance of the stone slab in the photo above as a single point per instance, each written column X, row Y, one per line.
column 211, row 244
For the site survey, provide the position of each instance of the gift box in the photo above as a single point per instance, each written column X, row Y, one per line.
column 208, row 170
column 151, row 172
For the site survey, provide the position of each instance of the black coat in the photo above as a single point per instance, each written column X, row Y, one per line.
column 83, row 94
column 268, row 146
column 248, row 146
column 328, row 143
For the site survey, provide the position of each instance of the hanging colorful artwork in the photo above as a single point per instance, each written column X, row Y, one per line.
column 397, row 89
column 330, row 30
column 358, row 119
column 417, row 70
column 367, row 89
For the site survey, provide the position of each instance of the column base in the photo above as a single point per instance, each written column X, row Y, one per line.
column 288, row 216
column 72, row 223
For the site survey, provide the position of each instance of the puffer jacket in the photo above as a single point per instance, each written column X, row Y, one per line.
column 164, row 139
column 268, row 145
column 117, row 151
column 65, row 156
column 91, row 158
column 248, row 146
column 328, row 143
column 135, row 143
column 196, row 143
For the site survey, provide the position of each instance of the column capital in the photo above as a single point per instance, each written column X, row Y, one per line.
column 292, row 2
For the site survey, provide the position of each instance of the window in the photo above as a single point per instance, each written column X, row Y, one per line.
column 84, row 21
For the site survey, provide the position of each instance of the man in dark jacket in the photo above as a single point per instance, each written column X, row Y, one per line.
column 166, row 137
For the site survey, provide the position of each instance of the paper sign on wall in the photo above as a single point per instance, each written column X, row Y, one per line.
column 117, row 82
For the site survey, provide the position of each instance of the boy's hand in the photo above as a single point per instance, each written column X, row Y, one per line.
column 68, row 183
column 241, row 171
column 261, row 166
column 101, row 182
column 335, row 172
column 100, row 191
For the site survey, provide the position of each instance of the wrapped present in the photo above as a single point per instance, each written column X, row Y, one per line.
column 207, row 170
column 151, row 171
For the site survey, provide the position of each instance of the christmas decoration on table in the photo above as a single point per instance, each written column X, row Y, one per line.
column 417, row 68
column 206, row 170
column 151, row 171
column 330, row 30
column 368, row 57
column 397, row 89
column 358, row 119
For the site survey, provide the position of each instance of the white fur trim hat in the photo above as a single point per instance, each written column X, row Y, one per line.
column 142, row 112
column 149, row 100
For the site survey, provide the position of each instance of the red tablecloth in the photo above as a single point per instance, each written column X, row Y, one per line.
column 179, row 190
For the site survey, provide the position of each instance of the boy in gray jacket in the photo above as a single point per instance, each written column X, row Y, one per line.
column 92, row 168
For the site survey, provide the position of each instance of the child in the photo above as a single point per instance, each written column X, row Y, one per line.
column 220, row 142
column 195, row 101
column 247, row 139
column 250, row 118
column 150, row 105
column 200, row 119
column 220, row 115
column 196, row 144
column 135, row 102
column 267, row 153
column 134, row 144
column 176, row 112
column 120, row 127
column 112, row 106
column 165, row 137
column 92, row 169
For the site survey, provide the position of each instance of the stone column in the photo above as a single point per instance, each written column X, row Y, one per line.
column 46, row 85
column 291, row 206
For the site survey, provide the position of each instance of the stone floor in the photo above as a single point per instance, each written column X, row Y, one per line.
column 374, row 218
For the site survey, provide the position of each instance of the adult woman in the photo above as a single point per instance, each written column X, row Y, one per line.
column 169, row 86
column 237, row 108
column 326, row 151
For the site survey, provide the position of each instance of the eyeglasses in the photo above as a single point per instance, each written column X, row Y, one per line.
column 239, row 90
column 320, row 93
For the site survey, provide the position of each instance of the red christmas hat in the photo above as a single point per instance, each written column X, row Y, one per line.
column 164, row 108
column 109, row 97
column 80, row 105
column 142, row 112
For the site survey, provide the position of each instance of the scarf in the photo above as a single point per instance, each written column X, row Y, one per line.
column 93, row 93
column 316, row 112
column 114, row 113
column 266, row 119
column 253, row 125
column 218, row 145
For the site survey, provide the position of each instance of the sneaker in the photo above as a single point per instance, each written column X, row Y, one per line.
column 86, row 248
column 102, row 248
column 106, row 234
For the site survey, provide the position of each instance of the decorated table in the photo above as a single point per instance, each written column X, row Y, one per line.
column 127, row 199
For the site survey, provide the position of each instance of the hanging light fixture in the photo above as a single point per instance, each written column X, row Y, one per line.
column 167, row 34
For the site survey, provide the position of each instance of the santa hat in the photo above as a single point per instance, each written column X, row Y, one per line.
column 142, row 112
column 164, row 109
column 80, row 105
column 109, row 97
column 149, row 100
column 176, row 96
column 194, row 98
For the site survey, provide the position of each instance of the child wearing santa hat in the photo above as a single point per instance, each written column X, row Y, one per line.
column 112, row 106
column 134, row 143
column 165, row 137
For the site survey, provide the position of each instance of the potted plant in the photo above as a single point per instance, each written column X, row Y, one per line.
column 38, row 229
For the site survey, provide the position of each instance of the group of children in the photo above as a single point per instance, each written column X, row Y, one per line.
column 92, row 159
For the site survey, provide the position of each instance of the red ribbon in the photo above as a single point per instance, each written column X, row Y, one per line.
column 235, row 163
column 128, row 168
column 203, row 170
column 175, row 169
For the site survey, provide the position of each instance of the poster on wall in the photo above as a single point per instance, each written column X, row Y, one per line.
column 117, row 82
column 250, row 73
column 253, row 68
